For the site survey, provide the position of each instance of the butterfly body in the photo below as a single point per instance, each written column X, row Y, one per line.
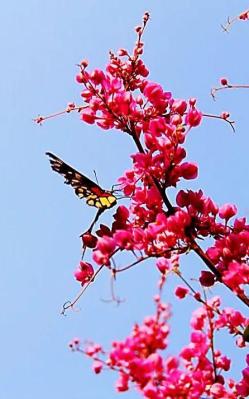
column 82, row 185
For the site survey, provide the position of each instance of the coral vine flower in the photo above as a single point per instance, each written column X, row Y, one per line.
column 181, row 292
column 122, row 97
column 207, row 279
column 84, row 272
column 139, row 360
column 193, row 118
column 227, row 211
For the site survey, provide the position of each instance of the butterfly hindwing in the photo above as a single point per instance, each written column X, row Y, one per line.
column 82, row 185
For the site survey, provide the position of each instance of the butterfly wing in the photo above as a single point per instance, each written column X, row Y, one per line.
column 82, row 185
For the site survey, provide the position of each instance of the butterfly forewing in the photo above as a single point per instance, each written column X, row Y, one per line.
column 82, row 185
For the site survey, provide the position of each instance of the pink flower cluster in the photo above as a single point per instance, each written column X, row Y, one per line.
column 198, row 369
column 243, row 386
column 152, row 226
column 230, row 255
column 121, row 97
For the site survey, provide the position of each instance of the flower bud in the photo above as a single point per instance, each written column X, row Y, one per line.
column 89, row 240
column 207, row 279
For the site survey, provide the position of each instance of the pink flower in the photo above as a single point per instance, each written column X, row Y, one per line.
column 163, row 265
column 218, row 391
column 124, row 239
column 122, row 213
column 181, row 292
column 97, row 76
column 157, row 126
column 214, row 254
column 106, row 245
column 207, row 279
column 224, row 81
column 156, row 95
column 88, row 116
column 122, row 383
column 84, row 272
column 89, row 240
column 100, row 258
column 244, row 15
column 97, row 366
column 227, row 211
column 189, row 170
column 179, row 106
column 172, row 363
column 79, row 78
column 193, row 117
column 150, row 391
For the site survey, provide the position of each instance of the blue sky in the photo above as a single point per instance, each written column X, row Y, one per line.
column 41, row 41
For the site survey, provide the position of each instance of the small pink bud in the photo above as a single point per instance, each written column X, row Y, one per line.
column 194, row 117
column 224, row 81
column 122, row 52
column 207, row 279
column 181, row 292
column 192, row 102
column 197, row 296
column 84, row 272
column 146, row 16
column 182, row 199
column 97, row 366
column 88, row 116
column 138, row 29
column 227, row 211
column 244, row 15
column 139, row 100
column 79, row 78
column 163, row 265
column 122, row 383
column 70, row 107
column 179, row 106
column 189, row 170
column 89, row 240
column 84, row 63
column 225, row 115
column 97, row 76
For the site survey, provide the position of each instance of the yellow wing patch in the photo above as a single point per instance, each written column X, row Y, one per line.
column 82, row 185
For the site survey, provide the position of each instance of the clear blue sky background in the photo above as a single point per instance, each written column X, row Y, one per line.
column 41, row 41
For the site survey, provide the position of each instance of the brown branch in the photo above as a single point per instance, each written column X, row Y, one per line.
column 70, row 304
column 132, row 264
column 231, row 123
column 197, row 249
column 198, row 298
column 225, row 87
column 155, row 181
column 40, row 119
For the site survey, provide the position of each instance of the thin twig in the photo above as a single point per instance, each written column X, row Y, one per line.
column 211, row 337
column 70, row 304
column 132, row 264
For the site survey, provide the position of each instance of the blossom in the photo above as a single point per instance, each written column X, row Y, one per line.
column 181, row 292
column 84, row 272
column 193, row 117
column 207, row 279
column 227, row 211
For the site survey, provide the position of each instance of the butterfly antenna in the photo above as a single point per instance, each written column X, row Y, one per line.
column 95, row 174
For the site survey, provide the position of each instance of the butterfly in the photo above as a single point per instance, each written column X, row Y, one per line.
column 82, row 185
